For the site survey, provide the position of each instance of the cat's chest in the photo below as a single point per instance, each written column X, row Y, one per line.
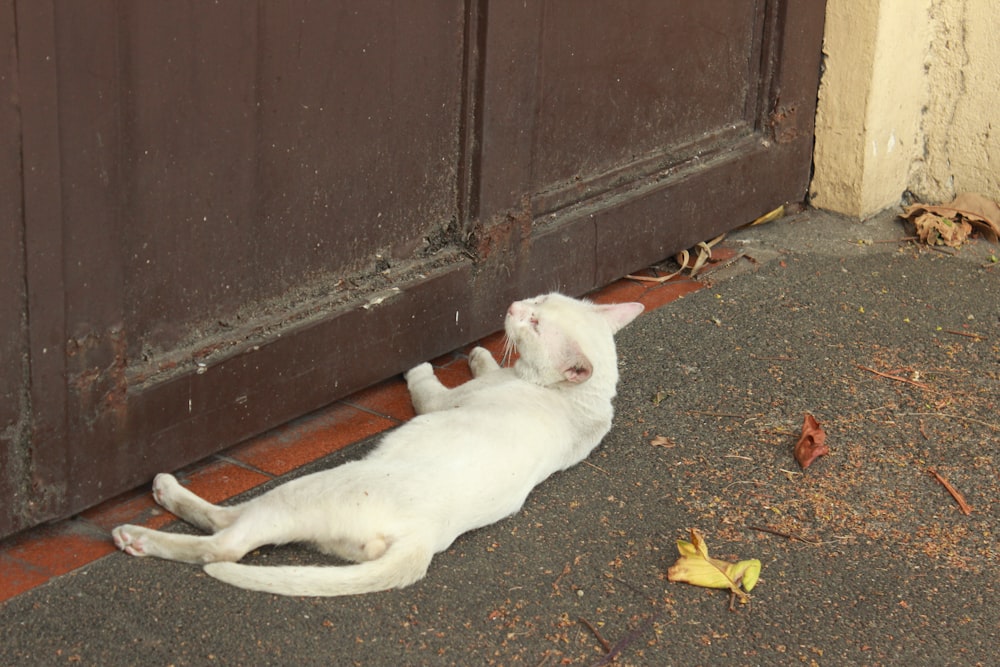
column 485, row 426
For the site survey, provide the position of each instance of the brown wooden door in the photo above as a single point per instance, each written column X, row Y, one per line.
column 14, row 405
column 615, row 136
column 219, row 216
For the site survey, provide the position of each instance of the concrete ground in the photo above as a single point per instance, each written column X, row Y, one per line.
column 867, row 558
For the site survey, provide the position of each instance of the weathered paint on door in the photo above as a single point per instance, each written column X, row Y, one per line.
column 220, row 216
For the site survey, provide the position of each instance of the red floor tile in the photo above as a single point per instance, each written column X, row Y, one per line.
column 134, row 507
column 310, row 438
column 46, row 552
column 652, row 295
column 667, row 292
column 620, row 291
column 721, row 254
column 445, row 360
column 454, row 374
column 61, row 548
column 389, row 399
column 220, row 480
column 18, row 577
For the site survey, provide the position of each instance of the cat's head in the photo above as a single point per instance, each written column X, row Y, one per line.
column 560, row 339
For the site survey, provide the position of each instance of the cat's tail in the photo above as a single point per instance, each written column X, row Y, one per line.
column 401, row 565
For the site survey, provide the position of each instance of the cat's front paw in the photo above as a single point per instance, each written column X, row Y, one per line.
column 481, row 361
column 418, row 372
column 164, row 486
column 130, row 539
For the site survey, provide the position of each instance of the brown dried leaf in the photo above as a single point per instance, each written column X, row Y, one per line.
column 969, row 208
column 934, row 229
column 980, row 211
column 662, row 441
column 811, row 444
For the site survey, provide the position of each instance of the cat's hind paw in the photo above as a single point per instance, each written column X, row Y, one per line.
column 130, row 540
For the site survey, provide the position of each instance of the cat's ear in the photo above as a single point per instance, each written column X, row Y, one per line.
column 579, row 372
column 575, row 364
column 620, row 314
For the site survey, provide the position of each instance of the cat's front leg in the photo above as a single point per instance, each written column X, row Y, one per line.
column 426, row 391
column 481, row 362
column 169, row 493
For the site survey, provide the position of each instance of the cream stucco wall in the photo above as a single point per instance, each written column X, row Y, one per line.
column 909, row 100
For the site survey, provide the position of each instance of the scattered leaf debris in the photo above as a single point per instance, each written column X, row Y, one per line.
column 897, row 378
column 781, row 533
column 605, row 644
column 692, row 260
column 959, row 498
column 967, row 334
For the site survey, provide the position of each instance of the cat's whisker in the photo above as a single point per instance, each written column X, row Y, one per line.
column 509, row 347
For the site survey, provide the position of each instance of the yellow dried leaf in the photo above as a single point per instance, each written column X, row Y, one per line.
column 768, row 217
column 696, row 567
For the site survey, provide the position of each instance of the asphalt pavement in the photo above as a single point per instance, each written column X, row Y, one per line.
column 867, row 557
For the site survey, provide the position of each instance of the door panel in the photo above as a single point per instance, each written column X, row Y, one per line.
column 235, row 213
column 628, row 82
column 274, row 151
column 13, row 323
column 706, row 141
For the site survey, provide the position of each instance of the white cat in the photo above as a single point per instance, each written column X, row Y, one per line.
column 469, row 459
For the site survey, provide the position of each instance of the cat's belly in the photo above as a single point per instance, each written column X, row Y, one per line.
column 470, row 470
column 458, row 469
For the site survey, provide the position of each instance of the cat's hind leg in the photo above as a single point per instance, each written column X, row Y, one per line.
column 173, row 497
column 231, row 540
column 481, row 362
column 257, row 524
column 426, row 391
column 229, row 544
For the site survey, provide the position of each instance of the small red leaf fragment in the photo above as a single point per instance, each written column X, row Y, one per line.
column 811, row 444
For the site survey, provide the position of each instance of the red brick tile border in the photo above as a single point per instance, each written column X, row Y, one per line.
column 35, row 556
